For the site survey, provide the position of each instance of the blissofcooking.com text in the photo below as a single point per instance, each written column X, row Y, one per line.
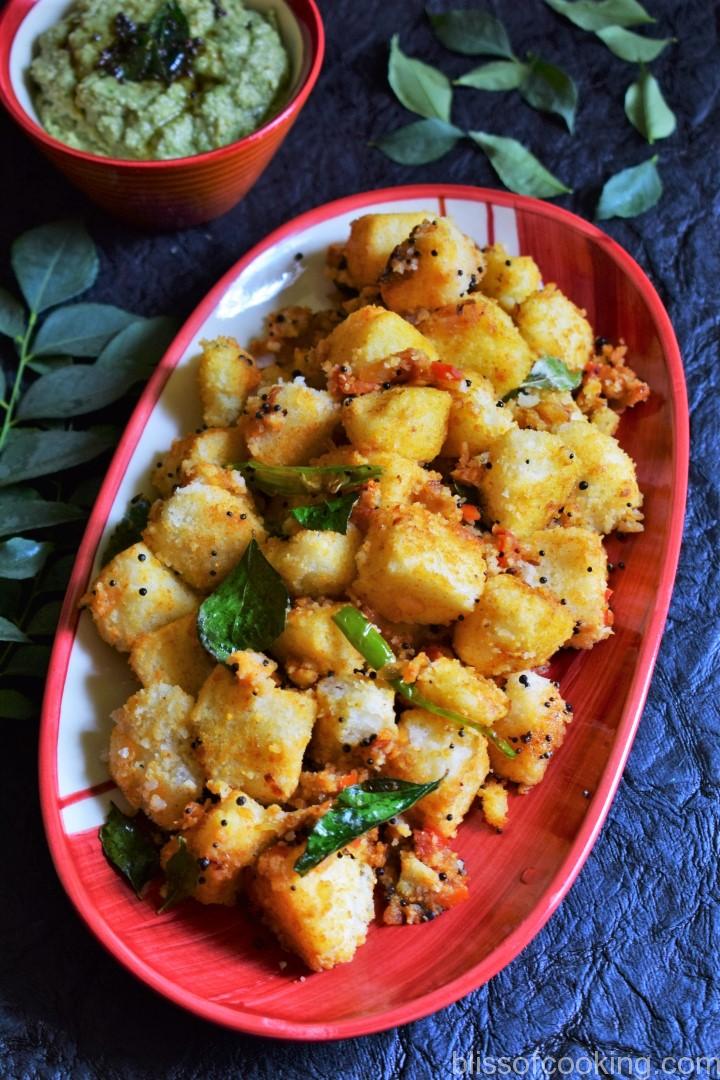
column 541, row 1065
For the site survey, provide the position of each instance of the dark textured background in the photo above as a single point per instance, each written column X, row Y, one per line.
column 628, row 964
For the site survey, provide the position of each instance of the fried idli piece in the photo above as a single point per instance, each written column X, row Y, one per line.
column 436, row 265
column 227, row 837
column 607, row 497
column 411, row 419
column 206, row 452
column 311, row 645
column 172, row 654
column 151, row 758
column 571, row 563
column 289, row 423
column 227, row 375
column 313, row 562
column 355, row 721
column 494, row 801
column 372, row 240
column 135, row 594
column 202, row 531
column 249, row 733
column 478, row 336
column 451, row 685
column 553, row 326
column 534, row 725
column 509, row 279
column 368, row 339
column 475, row 420
column 512, row 626
column 323, row 916
column 429, row 747
column 414, row 566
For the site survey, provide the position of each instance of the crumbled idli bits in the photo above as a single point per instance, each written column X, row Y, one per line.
column 355, row 721
column 480, row 338
column 311, row 645
column 429, row 879
column 494, row 801
column 509, row 279
column 414, row 566
column 202, row 531
column 291, row 424
column 610, row 499
column 372, row 240
column 226, row 376
column 543, row 410
column 172, row 654
column 512, row 626
column 534, row 726
column 437, row 264
column 524, row 479
column 553, row 326
column 151, row 756
column 226, row 838
column 428, row 747
column 411, row 419
column 252, row 734
column 315, row 563
column 560, row 562
column 323, row 915
column 135, row 594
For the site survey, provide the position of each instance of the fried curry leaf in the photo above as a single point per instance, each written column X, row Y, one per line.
column 332, row 515
column 128, row 845
column 306, row 479
column 182, row 876
column 547, row 373
column 356, row 810
column 161, row 50
column 247, row 611
column 129, row 529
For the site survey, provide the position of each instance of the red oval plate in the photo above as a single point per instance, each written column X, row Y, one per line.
column 216, row 961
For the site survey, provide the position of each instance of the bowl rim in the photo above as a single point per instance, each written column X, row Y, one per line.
column 478, row 974
column 15, row 12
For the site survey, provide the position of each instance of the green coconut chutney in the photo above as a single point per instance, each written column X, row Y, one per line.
column 233, row 81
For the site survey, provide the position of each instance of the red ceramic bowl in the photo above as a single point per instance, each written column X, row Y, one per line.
column 218, row 962
column 162, row 194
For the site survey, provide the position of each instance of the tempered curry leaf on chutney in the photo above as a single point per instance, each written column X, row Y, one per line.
column 162, row 49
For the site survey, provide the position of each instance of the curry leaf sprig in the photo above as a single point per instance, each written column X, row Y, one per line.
column 42, row 392
column 373, row 647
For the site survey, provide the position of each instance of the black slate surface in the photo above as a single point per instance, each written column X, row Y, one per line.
column 628, row 966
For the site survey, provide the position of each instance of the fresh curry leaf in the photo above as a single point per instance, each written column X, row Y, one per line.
column 519, row 170
column 16, row 706
column 306, row 479
column 471, row 32
column 498, row 75
column 129, row 529
column 12, row 315
column 18, row 514
column 182, row 876
column 596, row 14
column 80, row 329
column 550, row 89
column 41, row 365
column 30, row 452
column 419, row 143
column 421, row 88
column 30, row 661
column 547, row 373
column 44, row 621
column 630, row 192
column 333, row 515
column 161, row 49
column 356, row 810
column 139, row 346
column 10, row 632
column 21, row 558
column 247, row 610
column 631, row 47
column 54, row 263
column 373, row 647
column 128, row 846
column 647, row 110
